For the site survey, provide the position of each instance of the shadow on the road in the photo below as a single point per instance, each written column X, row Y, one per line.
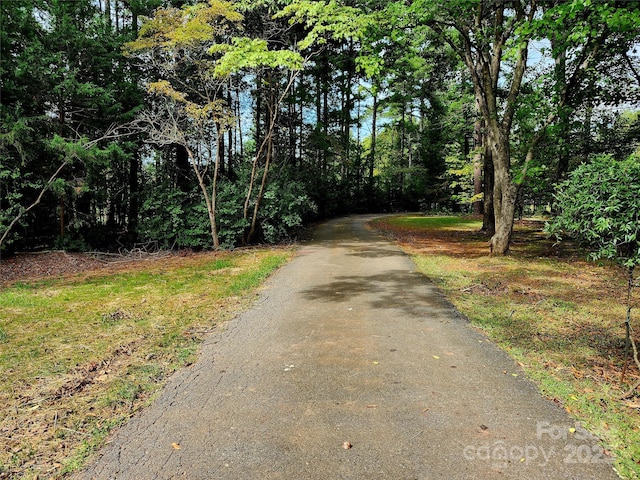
column 396, row 289
column 369, row 251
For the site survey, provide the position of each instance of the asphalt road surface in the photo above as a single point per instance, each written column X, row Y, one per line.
column 351, row 366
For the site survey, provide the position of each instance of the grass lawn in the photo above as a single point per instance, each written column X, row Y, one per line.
column 559, row 316
column 80, row 354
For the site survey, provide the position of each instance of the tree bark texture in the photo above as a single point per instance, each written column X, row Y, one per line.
column 488, row 216
column 477, row 165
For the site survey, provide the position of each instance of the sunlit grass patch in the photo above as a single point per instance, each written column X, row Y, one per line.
column 79, row 354
column 433, row 222
column 558, row 315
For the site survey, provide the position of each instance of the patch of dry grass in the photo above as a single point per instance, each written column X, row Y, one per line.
column 80, row 354
column 558, row 315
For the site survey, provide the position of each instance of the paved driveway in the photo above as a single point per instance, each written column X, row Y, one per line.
column 351, row 366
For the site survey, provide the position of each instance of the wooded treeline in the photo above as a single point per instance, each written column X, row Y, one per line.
column 186, row 124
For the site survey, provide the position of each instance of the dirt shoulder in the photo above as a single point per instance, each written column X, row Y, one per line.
column 34, row 266
column 38, row 266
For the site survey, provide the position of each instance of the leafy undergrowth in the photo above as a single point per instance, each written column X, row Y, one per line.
column 558, row 315
column 80, row 354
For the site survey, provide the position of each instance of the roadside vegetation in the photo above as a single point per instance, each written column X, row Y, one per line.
column 559, row 316
column 81, row 354
column 213, row 123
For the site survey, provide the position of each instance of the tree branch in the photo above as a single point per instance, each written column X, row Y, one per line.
column 632, row 68
column 33, row 205
column 111, row 132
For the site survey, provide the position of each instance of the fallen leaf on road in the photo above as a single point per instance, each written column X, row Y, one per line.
column 436, row 357
column 176, row 446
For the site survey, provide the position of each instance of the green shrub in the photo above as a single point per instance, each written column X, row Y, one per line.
column 599, row 207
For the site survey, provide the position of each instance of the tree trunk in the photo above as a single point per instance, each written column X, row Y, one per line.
column 132, row 224
column 263, row 184
column 220, row 156
column 117, row 10
column 318, row 125
column 477, row 165
column 504, row 208
column 134, row 22
column 208, row 199
column 348, row 104
column 488, row 216
column 560, row 74
column 182, row 168
column 586, row 136
column 325, row 114
column 240, row 136
column 505, row 191
column 273, row 109
column 292, row 129
column 62, row 214
column 230, row 132
column 258, row 128
column 300, row 120
column 374, row 127
column 107, row 13
column 214, row 190
column 505, row 194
